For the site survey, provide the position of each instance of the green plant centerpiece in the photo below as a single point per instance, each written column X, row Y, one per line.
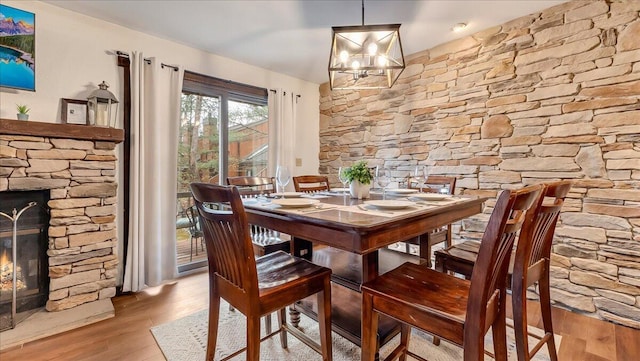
column 359, row 177
column 23, row 111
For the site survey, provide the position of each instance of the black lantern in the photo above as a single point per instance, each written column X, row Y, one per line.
column 103, row 107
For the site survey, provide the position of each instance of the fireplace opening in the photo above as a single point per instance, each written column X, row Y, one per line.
column 31, row 263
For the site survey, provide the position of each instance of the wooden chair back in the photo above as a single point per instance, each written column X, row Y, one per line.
column 265, row 240
column 228, row 240
column 311, row 183
column 544, row 225
column 434, row 184
column 248, row 185
column 488, row 280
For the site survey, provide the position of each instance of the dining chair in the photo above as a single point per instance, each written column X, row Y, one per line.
column 433, row 184
column 264, row 241
column 455, row 309
column 531, row 265
column 255, row 286
column 195, row 230
column 311, row 183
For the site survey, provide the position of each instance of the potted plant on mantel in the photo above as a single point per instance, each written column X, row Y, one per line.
column 23, row 111
column 359, row 177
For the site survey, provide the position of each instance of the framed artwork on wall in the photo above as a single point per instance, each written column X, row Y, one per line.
column 74, row 111
column 17, row 48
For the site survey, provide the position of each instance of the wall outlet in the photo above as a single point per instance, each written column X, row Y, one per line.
column 298, row 162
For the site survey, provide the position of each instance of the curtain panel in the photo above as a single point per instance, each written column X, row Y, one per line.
column 282, row 120
column 156, row 95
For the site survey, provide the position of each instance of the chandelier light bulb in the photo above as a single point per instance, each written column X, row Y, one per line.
column 344, row 56
column 355, row 65
column 382, row 60
column 373, row 49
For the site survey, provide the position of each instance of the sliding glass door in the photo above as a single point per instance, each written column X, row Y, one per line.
column 223, row 132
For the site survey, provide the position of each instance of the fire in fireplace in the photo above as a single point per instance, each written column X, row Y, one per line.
column 31, row 263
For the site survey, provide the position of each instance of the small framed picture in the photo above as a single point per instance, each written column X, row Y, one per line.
column 74, row 111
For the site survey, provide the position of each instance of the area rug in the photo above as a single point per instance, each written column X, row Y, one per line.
column 185, row 339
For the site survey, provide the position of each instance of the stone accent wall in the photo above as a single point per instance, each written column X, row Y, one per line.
column 554, row 95
column 82, row 234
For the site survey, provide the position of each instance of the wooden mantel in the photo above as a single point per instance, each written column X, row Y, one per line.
column 57, row 130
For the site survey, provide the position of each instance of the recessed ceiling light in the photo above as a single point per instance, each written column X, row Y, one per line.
column 459, row 27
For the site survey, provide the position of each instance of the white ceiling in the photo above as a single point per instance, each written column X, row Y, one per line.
column 294, row 36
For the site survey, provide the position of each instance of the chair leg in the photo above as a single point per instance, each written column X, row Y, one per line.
column 267, row 323
column 191, row 252
column 424, row 249
column 428, row 255
column 519, row 306
column 499, row 330
column 473, row 346
column 545, row 308
column 405, row 334
column 369, row 328
column 282, row 319
column 214, row 316
column 253, row 338
column 294, row 316
column 439, row 268
column 324, row 320
column 439, row 264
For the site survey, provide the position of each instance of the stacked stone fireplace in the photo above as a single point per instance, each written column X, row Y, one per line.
column 81, row 177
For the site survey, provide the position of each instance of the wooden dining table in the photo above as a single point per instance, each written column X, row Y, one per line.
column 338, row 222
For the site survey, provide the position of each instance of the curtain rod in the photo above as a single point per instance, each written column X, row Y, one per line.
column 284, row 93
column 148, row 61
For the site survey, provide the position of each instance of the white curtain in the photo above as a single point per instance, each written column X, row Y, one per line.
column 282, row 119
column 151, row 251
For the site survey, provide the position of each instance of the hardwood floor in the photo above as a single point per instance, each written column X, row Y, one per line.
column 127, row 336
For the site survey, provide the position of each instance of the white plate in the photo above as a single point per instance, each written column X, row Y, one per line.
column 431, row 196
column 288, row 194
column 389, row 204
column 401, row 191
column 295, row 202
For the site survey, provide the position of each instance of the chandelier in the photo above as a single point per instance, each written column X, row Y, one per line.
column 365, row 57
